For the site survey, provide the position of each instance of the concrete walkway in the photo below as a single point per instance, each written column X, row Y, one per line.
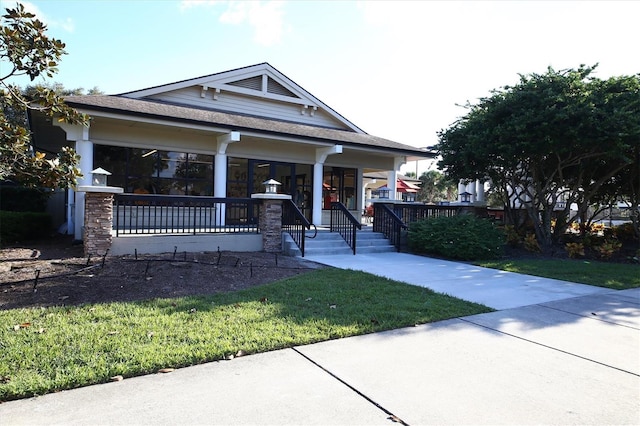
column 491, row 287
column 558, row 353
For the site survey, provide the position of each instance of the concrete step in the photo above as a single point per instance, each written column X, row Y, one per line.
column 331, row 243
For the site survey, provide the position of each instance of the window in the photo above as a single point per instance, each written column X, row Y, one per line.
column 150, row 171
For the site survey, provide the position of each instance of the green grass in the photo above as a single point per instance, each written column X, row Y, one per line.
column 67, row 347
column 616, row 276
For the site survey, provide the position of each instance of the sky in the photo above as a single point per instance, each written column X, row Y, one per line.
column 398, row 70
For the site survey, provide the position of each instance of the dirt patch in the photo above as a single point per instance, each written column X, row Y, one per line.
column 53, row 272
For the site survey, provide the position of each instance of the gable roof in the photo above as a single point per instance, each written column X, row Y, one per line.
column 176, row 113
column 260, row 83
column 260, row 80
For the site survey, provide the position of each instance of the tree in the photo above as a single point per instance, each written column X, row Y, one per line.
column 436, row 186
column 25, row 49
column 552, row 140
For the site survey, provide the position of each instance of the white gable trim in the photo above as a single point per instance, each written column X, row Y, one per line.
column 214, row 84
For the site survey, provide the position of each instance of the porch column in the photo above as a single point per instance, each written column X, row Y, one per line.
column 220, row 173
column 480, row 191
column 359, row 201
column 461, row 188
column 392, row 177
column 321, row 157
column 84, row 148
column 316, row 211
column 471, row 189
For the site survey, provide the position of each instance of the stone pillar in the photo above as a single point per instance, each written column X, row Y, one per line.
column 98, row 218
column 271, row 226
column 271, row 221
column 98, row 222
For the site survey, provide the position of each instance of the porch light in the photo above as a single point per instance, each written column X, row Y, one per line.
column 99, row 177
column 271, row 186
column 465, row 197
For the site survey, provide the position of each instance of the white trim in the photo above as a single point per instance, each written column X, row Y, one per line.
column 221, row 80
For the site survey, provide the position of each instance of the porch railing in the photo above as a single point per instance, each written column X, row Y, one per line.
column 415, row 212
column 295, row 223
column 169, row 214
column 345, row 223
column 390, row 224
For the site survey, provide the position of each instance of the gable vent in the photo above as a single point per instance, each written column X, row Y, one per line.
column 278, row 89
column 254, row 83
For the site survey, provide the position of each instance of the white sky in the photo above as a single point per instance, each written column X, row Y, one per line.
column 395, row 69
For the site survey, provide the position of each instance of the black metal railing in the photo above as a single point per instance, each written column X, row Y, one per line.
column 174, row 214
column 415, row 212
column 345, row 223
column 387, row 222
column 295, row 223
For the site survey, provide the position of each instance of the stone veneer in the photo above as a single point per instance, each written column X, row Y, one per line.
column 271, row 225
column 98, row 219
column 271, row 221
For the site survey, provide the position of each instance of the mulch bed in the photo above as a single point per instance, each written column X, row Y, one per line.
column 54, row 272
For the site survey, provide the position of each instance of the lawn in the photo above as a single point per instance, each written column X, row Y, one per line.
column 44, row 350
column 616, row 276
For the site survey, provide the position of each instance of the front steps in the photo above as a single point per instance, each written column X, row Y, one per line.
column 331, row 243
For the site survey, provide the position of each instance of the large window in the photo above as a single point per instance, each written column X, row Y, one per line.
column 151, row 171
column 339, row 184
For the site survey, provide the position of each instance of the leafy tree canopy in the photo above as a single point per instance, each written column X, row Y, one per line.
column 25, row 49
column 549, row 141
column 436, row 186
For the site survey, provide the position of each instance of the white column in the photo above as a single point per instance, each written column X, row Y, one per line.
column 471, row 189
column 359, row 201
column 316, row 212
column 461, row 188
column 321, row 157
column 220, row 176
column 392, row 177
column 84, row 148
column 392, row 183
column 479, row 191
column 220, row 173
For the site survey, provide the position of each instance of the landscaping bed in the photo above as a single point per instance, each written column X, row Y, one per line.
column 54, row 272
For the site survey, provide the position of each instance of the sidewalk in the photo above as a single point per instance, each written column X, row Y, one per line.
column 491, row 287
column 572, row 358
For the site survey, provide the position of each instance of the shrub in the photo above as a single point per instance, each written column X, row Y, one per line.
column 531, row 243
column 575, row 249
column 608, row 248
column 625, row 232
column 19, row 199
column 463, row 237
column 19, row 226
column 513, row 238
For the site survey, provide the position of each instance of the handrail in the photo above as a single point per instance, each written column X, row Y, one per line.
column 389, row 224
column 295, row 223
column 180, row 214
column 343, row 221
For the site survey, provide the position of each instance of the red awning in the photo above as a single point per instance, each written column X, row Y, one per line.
column 403, row 186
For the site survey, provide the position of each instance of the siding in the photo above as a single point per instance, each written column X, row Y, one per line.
column 249, row 105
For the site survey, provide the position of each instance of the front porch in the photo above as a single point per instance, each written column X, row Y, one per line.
column 161, row 224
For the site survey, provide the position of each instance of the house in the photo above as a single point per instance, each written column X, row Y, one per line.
column 222, row 135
